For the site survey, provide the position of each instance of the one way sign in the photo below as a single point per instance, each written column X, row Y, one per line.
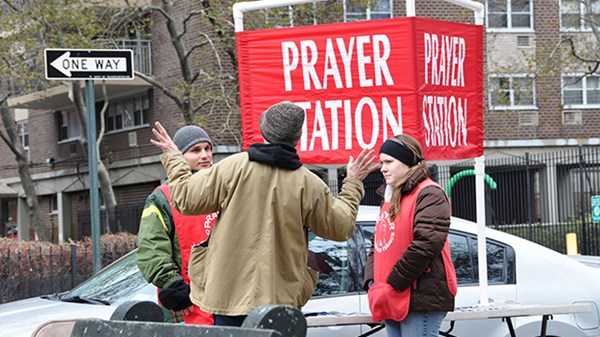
column 81, row 64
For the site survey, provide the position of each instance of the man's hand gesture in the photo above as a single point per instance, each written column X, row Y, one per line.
column 163, row 140
column 365, row 163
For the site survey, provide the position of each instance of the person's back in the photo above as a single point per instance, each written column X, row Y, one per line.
column 257, row 253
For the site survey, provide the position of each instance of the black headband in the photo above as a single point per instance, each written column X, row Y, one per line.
column 400, row 152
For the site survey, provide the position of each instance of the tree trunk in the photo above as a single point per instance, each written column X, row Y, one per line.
column 33, row 204
column 110, row 202
column 11, row 138
column 108, row 194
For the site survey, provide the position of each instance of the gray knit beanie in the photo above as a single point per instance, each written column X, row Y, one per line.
column 282, row 123
column 189, row 136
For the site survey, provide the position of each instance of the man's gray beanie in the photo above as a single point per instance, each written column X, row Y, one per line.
column 189, row 136
column 282, row 123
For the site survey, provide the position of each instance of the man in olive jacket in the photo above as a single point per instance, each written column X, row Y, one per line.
column 267, row 200
column 166, row 237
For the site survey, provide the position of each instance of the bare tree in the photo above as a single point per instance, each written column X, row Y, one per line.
column 10, row 136
column 76, row 96
column 202, row 36
column 203, row 86
column 29, row 27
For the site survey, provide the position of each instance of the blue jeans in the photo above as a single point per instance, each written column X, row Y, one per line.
column 222, row 320
column 416, row 324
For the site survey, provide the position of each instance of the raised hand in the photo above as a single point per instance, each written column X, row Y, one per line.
column 163, row 140
column 365, row 163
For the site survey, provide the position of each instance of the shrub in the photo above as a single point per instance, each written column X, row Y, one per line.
column 33, row 268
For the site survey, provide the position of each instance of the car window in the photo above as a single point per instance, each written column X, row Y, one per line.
column 330, row 259
column 500, row 260
column 340, row 264
column 368, row 230
column 463, row 249
column 119, row 280
column 462, row 259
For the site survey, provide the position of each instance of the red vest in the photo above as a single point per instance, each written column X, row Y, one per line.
column 391, row 241
column 190, row 230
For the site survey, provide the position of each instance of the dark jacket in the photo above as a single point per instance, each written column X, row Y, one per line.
column 422, row 261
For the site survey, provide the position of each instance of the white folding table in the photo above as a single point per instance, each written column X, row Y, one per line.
column 506, row 313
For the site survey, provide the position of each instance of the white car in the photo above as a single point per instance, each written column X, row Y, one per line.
column 518, row 270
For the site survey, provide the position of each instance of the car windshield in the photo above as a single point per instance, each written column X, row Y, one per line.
column 119, row 280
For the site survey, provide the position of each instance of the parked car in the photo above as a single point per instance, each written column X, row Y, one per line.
column 589, row 260
column 518, row 270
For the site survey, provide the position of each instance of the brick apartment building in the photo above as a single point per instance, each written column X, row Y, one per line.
column 530, row 106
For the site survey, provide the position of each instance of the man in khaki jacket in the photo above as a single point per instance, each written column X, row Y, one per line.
column 267, row 200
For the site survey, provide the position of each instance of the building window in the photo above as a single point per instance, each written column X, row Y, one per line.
column 23, row 133
column 68, row 125
column 509, row 14
column 292, row 16
column 580, row 90
column 128, row 113
column 356, row 10
column 573, row 14
column 515, row 91
column 280, row 17
column 54, row 203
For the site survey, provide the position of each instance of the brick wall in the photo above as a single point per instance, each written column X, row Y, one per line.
column 504, row 125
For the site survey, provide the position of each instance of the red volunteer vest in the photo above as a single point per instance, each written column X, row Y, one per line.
column 190, row 230
column 391, row 241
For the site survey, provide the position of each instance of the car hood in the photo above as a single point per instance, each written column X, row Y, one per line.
column 21, row 318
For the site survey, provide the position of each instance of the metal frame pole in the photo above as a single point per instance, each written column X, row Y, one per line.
column 477, row 7
column 240, row 8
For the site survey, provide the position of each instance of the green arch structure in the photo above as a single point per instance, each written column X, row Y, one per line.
column 489, row 180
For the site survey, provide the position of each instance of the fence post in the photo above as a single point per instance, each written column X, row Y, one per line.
column 582, row 201
column 529, row 201
column 73, row 265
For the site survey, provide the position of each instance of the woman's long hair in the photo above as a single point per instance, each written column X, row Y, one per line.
column 413, row 146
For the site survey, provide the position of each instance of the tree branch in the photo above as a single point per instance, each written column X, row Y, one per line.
column 160, row 86
column 188, row 18
column 102, row 114
column 569, row 40
column 11, row 5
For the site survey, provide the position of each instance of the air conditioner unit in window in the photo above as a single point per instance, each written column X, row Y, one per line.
column 73, row 149
column 132, row 139
column 528, row 118
column 524, row 41
column 571, row 117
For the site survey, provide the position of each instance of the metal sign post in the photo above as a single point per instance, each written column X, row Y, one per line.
column 80, row 64
column 93, row 167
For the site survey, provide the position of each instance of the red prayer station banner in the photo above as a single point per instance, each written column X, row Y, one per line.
column 361, row 83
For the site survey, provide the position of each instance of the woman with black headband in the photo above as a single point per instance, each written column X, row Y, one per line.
column 409, row 275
